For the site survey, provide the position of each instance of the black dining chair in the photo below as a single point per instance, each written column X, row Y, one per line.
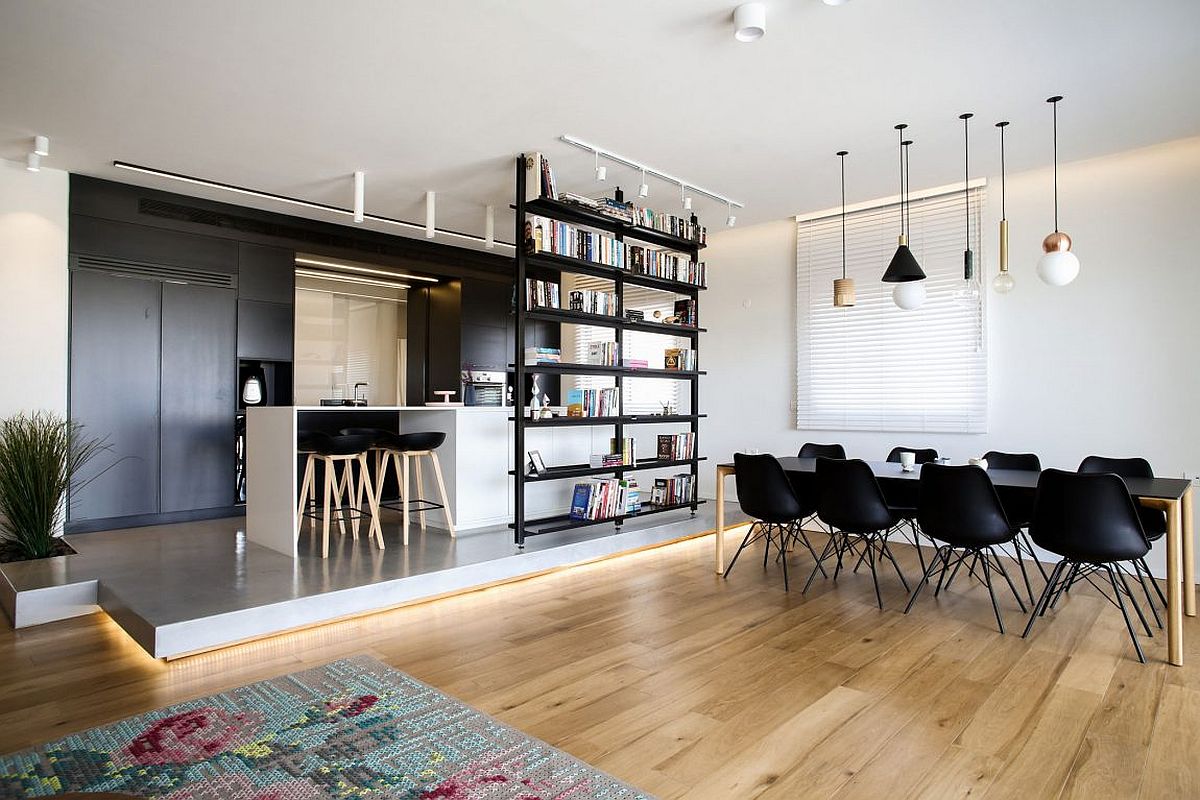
column 902, row 497
column 851, row 503
column 960, row 509
column 1090, row 521
column 811, row 450
column 1154, row 521
column 1018, row 505
column 765, row 495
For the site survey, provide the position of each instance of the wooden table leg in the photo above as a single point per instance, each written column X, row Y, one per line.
column 722, row 473
column 1189, row 555
column 1174, row 584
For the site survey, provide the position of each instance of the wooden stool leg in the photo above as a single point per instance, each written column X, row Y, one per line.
column 404, row 482
column 420, row 492
column 437, row 473
column 312, row 491
column 376, row 529
column 328, row 508
column 308, row 476
column 358, row 489
column 342, row 486
column 381, row 475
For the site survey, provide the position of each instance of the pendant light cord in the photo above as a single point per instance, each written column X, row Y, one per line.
column 907, row 199
column 842, row 158
column 900, row 153
column 1003, row 187
column 967, row 174
column 1054, row 107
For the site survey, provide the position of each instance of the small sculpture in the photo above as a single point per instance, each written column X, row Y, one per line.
column 535, row 400
column 546, row 412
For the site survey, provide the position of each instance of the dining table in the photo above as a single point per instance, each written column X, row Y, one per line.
column 1170, row 495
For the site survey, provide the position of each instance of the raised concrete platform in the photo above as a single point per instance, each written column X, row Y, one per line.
column 186, row 588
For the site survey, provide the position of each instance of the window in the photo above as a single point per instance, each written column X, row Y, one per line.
column 639, row 395
column 875, row 367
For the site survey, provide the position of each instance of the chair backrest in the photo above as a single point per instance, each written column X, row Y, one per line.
column 1087, row 517
column 849, row 497
column 959, row 505
column 764, row 491
column 1154, row 521
column 924, row 454
column 1027, row 462
column 811, row 450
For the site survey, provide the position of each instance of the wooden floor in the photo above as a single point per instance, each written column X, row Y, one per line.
column 656, row 670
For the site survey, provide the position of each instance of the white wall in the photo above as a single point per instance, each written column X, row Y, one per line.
column 33, row 289
column 1105, row 365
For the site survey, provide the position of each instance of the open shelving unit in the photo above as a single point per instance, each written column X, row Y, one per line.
column 551, row 263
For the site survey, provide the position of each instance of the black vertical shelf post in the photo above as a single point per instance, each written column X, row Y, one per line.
column 520, row 296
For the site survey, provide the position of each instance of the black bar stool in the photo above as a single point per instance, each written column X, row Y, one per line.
column 341, row 491
column 400, row 449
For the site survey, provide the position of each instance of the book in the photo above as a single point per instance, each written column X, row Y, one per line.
column 593, row 402
column 676, row 446
column 679, row 358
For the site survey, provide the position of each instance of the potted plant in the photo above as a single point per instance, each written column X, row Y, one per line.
column 41, row 454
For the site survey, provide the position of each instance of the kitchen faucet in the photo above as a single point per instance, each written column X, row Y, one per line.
column 360, row 401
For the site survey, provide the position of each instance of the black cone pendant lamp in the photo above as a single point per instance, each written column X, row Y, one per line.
column 843, row 287
column 904, row 271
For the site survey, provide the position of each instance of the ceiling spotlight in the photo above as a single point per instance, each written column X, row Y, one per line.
column 835, row 2
column 749, row 22
column 33, row 162
column 684, row 200
column 360, row 190
column 601, row 171
column 41, row 146
column 731, row 220
column 643, row 190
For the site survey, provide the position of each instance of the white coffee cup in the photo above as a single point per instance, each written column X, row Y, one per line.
column 978, row 462
column 907, row 460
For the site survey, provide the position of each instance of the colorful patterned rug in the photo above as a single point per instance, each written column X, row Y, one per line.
column 351, row 729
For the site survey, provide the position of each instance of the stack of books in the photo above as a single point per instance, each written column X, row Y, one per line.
column 679, row 358
column 683, row 227
column 551, row 236
column 605, row 499
column 539, row 178
column 597, row 460
column 665, row 264
column 542, row 355
column 635, row 363
column 602, row 354
column 625, row 450
column 607, row 206
column 593, row 402
column 593, row 302
column 676, row 446
column 685, row 312
column 541, row 294
column 672, row 491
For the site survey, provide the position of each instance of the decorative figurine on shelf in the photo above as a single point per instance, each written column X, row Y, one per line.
column 546, row 412
column 535, row 406
column 672, row 320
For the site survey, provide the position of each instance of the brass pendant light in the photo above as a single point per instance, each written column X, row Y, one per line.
column 843, row 287
column 1003, row 282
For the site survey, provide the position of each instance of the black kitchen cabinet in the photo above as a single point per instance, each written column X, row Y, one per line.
column 266, row 273
column 199, row 382
column 114, row 391
column 264, row 330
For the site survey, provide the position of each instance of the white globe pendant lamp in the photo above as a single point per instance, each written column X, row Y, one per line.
column 1058, row 266
column 909, row 295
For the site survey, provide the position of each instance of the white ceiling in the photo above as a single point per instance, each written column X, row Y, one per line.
column 291, row 96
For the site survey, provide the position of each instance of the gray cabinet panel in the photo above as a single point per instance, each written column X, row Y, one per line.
column 266, row 273
column 114, row 390
column 199, row 377
column 264, row 330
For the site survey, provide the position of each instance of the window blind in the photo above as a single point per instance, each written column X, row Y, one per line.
column 876, row 367
column 639, row 395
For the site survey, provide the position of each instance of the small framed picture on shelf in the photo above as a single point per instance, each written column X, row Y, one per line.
column 536, row 465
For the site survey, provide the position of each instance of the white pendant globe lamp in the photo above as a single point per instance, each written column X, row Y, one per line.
column 1058, row 266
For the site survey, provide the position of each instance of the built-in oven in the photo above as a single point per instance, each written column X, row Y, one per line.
column 484, row 387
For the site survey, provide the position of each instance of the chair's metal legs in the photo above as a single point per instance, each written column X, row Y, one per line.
column 829, row 545
column 940, row 553
column 998, row 565
column 1157, row 589
column 885, row 550
column 1142, row 578
column 987, row 579
column 1039, row 608
column 741, row 547
column 1128, row 623
column 1124, row 585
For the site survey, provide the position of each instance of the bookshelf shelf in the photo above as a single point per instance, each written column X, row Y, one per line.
column 583, row 470
column 581, row 267
column 563, row 522
column 543, row 265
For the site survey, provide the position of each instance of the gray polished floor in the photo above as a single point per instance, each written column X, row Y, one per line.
column 183, row 588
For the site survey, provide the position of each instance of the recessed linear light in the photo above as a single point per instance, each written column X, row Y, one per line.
column 333, row 276
column 279, row 198
column 315, row 262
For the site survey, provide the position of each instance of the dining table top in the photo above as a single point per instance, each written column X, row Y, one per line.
column 1157, row 488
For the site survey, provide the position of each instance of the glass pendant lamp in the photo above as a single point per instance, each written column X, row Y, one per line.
column 843, row 287
column 968, row 292
column 1058, row 266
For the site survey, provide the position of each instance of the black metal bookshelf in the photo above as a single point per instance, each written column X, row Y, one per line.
column 551, row 263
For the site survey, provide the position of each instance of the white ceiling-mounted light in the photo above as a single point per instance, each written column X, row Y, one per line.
column 41, row 146
column 644, row 189
column 33, row 162
column 489, row 228
column 430, row 215
column 360, row 194
column 601, row 170
column 730, row 220
column 308, row 261
column 684, row 200
column 333, row 276
column 749, row 22
column 835, row 2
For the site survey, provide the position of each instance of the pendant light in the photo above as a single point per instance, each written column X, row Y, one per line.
column 1003, row 282
column 1058, row 266
column 904, row 269
column 968, row 293
column 843, row 287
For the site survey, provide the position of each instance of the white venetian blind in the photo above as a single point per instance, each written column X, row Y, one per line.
column 874, row 366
